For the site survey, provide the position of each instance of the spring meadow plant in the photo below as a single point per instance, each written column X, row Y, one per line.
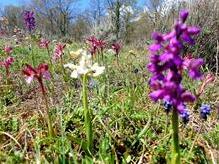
column 29, row 20
column 58, row 55
column 96, row 47
column 39, row 73
column 86, row 69
column 30, row 25
column 166, row 66
column 116, row 47
column 8, row 50
column 7, row 64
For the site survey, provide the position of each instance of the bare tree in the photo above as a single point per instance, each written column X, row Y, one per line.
column 56, row 14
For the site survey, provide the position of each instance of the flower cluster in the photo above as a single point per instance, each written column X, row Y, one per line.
column 59, row 51
column 205, row 110
column 8, row 49
column 85, row 67
column 44, row 43
column 95, row 44
column 7, row 63
column 29, row 20
column 42, row 71
column 167, row 106
column 116, row 47
column 167, row 64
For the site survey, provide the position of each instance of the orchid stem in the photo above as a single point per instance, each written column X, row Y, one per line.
column 63, row 69
column 50, row 62
column 32, row 56
column 48, row 118
column 52, row 70
column 176, row 151
column 87, row 116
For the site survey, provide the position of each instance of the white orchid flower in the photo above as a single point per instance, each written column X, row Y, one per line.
column 85, row 66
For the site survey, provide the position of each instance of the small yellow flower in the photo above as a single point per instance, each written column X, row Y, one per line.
column 132, row 52
column 76, row 54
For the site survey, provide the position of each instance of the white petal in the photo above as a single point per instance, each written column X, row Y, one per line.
column 29, row 79
column 83, row 70
column 74, row 74
column 97, row 70
column 71, row 66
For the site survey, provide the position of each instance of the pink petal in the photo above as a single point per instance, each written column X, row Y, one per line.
column 29, row 79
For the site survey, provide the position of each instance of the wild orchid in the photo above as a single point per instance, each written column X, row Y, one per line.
column 39, row 73
column 93, row 43
column 8, row 49
column 42, row 71
column 85, row 69
column 59, row 51
column 116, row 47
column 6, row 64
column 58, row 55
column 166, row 65
column 29, row 20
column 44, row 43
column 96, row 46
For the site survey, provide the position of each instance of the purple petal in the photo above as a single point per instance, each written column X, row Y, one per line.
column 47, row 75
column 196, row 63
column 168, row 36
column 166, row 57
column 154, row 47
column 156, row 95
column 181, row 107
column 188, row 97
column 195, row 74
column 193, row 30
column 187, row 38
column 157, row 36
column 184, row 15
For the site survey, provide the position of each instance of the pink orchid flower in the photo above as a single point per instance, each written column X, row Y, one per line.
column 42, row 71
column 8, row 49
column 59, row 50
column 95, row 44
column 116, row 48
column 7, row 63
column 44, row 43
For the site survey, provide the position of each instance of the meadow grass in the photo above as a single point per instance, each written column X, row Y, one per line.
column 127, row 126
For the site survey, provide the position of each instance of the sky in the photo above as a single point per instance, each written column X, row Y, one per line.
column 11, row 2
column 82, row 3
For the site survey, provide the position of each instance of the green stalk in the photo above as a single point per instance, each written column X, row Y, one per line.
column 63, row 69
column 48, row 118
column 87, row 116
column 51, row 65
column 175, row 125
column 32, row 56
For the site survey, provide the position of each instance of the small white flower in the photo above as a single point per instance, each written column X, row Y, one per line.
column 110, row 51
column 97, row 70
column 85, row 66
